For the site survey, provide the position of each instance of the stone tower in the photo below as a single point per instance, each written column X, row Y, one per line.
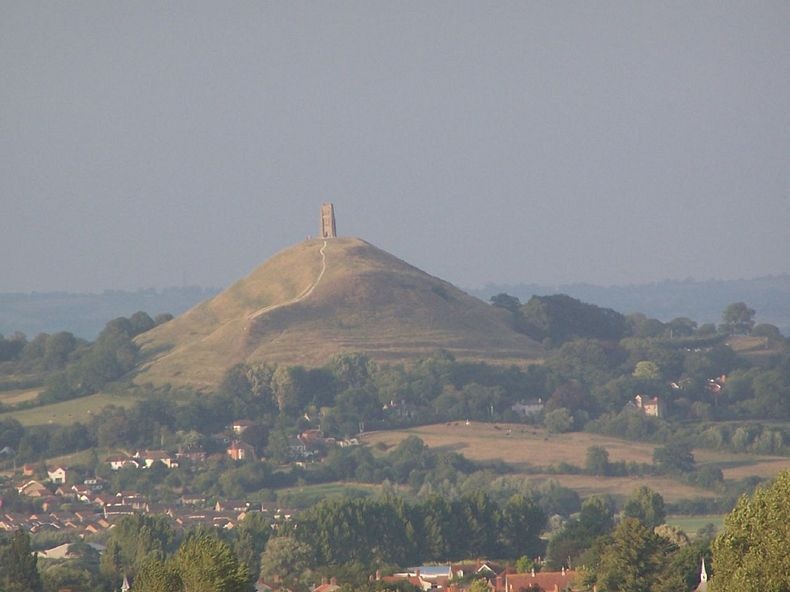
column 328, row 229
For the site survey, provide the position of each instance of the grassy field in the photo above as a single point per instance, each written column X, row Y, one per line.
column 307, row 495
column 69, row 412
column 691, row 524
column 527, row 448
column 15, row 396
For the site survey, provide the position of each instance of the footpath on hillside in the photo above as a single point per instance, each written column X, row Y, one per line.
column 305, row 293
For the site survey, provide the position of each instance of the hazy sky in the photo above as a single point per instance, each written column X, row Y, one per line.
column 144, row 144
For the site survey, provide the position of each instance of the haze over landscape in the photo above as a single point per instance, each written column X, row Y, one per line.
column 546, row 143
column 539, row 341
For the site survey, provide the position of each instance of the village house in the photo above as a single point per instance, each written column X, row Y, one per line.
column 193, row 456
column 121, row 461
column 478, row 568
column 33, row 488
column 651, row 406
column 57, row 474
column 240, row 451
column 236, row 506
column 149, row 457
column 528, row 408
column 193, row 499
column 239, row 426
column 297, row 448
column 550, row 581
column 327, row 585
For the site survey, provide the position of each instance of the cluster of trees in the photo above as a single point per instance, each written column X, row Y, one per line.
column 69, row 367
column 376, row 531
column 18, row 564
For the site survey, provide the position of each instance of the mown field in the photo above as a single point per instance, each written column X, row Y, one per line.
column 69, row 412
column 304, row 496
column 14, row 396
column 692, row 523
column 530, row 448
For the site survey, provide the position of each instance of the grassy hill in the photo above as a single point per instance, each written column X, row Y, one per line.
column 314, row 300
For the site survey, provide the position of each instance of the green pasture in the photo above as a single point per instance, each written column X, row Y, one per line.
column 69, row 412
column 691, row 523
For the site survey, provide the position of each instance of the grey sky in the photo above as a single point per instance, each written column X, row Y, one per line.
column 144, row 143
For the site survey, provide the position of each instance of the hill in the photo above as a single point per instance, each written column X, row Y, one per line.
column 320, row 298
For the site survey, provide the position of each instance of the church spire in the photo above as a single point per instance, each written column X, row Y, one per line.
column 703, row 575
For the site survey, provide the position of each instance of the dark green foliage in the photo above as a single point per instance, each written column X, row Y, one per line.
column 631, row 560
column 135, row 538
column 738, row 318
column 645, row 505
column 510, row 303
column 284, row 559
column 559, row 318
column 390, row 530
column 11, row 432
column 751, row 552
column 206, row 564
column 675, row 457
column 597, row 461
column 595, row 519
column 18, row 572
column 11, row 348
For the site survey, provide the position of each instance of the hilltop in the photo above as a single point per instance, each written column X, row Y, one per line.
column 320, row 298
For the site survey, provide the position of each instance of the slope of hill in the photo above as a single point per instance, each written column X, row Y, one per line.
column 320, row 298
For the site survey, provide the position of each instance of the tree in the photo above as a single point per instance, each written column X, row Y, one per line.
column 633, row 560
column 751, row 551
column 522, row 523
column 206, row 564
column 647, row 370
column 770, row 332
column 18, row 571
column 738, row 318
column 595, row 520
column 141, row 322
column 675, row 457
column 284, row 559
column 507, row 302
column 156, row 575
column 133, row 539
column 681, row 327
column 480, row 585
column 645, row 505
column 558, row 421
column 597, row 461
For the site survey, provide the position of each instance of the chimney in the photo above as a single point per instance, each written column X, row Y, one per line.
column 533, row 572
column 333, row 581
column 378, row 575
column 323, row 580
column 417, row 572
column 499, row 583
column 563, row 570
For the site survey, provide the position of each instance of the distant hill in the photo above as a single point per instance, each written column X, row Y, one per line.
column 85, row 315
column 702, row 301
column 315, row 300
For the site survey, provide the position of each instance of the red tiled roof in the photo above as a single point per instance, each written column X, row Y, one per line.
column 548, row 580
